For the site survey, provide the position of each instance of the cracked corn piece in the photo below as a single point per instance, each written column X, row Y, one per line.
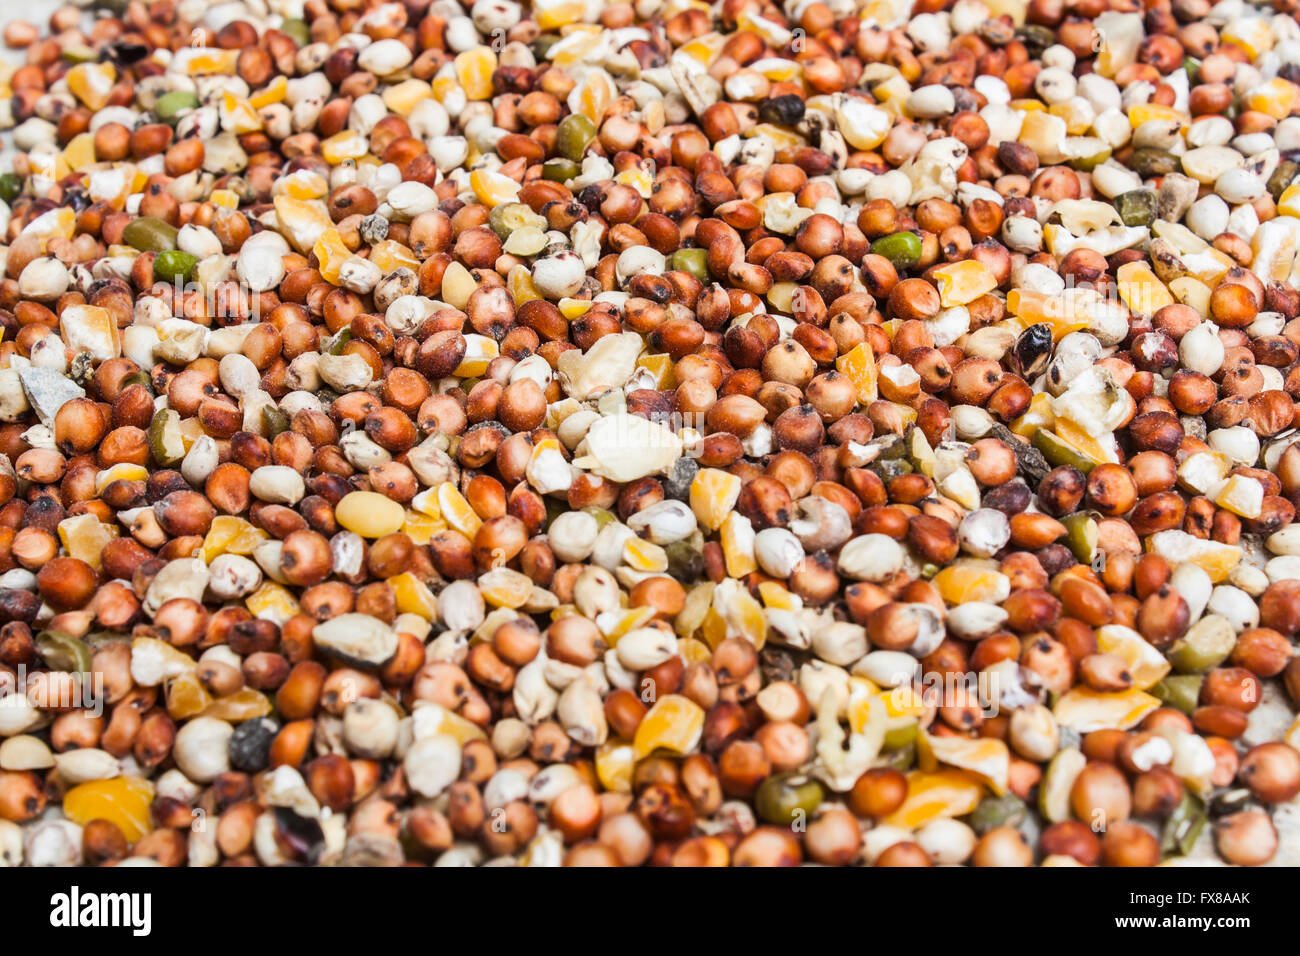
column 474, row 71
column 123, row 801
column 674, row 723
column 961, row 283
column 713, row 494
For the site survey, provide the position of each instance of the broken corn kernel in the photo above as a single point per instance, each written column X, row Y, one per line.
column 456, row 511
column 479, row 353
column 642, row 555
column 123, row 801
column 615, row 761
column 493, row 189
column 737, row 537
column 960, row 584
column 859, row 364
column 1084, row 710
column 674, row 723
column 938, row 795
column 1140, row 290
column 713, row 494
column 231, row 535
column 84, row 537
column 961, row 283
column 474, row 69
column 413, row 596
column 1179, row 547
column 272, row 602
column 92, row 83
column 342, row 146
column 503, row 587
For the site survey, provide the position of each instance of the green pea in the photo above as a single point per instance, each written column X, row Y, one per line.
column 138, row 378
column 11, row 184
column 166, row 444
column 574, row 135
column 274, row 420
column 79, row 54
column 1283, row 176
column 1137, row 207
column 1182, row 691
column 1086, row 164
column 602, row 516
column 685, row 561
column 693, row 261
column 174, row 266
column 171, row 105
column 1184, row 826
column 297, row 31
column 1149, row 161
column 334, row 344
column 994, row 812
column 1205, row 646
column 1081, row 536
column 62, row 652
column 1058, row 452
column 896, row 738
column 902, row 249
column 785, row 798
column 560, row 170
column 150, row 235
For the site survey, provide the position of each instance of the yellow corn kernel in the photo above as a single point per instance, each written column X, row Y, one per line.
column 302, row 221
column 1252, row 34
column 238, row 115
column 226, row 198
column 713, row 494
column 1085, row 710
column 231, row 535
column 737, row 537
column 961, row 584
column 1140, row 290
column 661, row 367
column 638, row 179
column 1277, row 98
column 963, row 282
column 986, row 757
column 1145, row 663
column 502, row 587
column 572, row 308
column 859, row 364
column 493, row 189
column 740, row 613
column 1038, row 415
column 1179, row 547
column 123, row 801
column 402, row 98
column 186, row 696
column 211, row 61
column 449, row 723
column 615, row 760
column 474, row 69
column 80, row 152
column 342, row 146
column 776, row 597
column 413, row 596
column 1288, row 204
column 273, row 92
column 674, row 723
column 272, row 602
column 84, row 537
column 519, row 283
column 553, row 14
column 421, row 528
column 642, row 555
column 122, row 471
column 92, row 83
column 1242, row 496
column 302, row 184
column 938, row 795
column 331, row 253
column 389, row 255
column 456, row 511
column 479, row 353
column 1145, row 112
column 593, row 96
column 614, row 624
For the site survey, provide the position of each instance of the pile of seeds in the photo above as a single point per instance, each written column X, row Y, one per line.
column 836, row 431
